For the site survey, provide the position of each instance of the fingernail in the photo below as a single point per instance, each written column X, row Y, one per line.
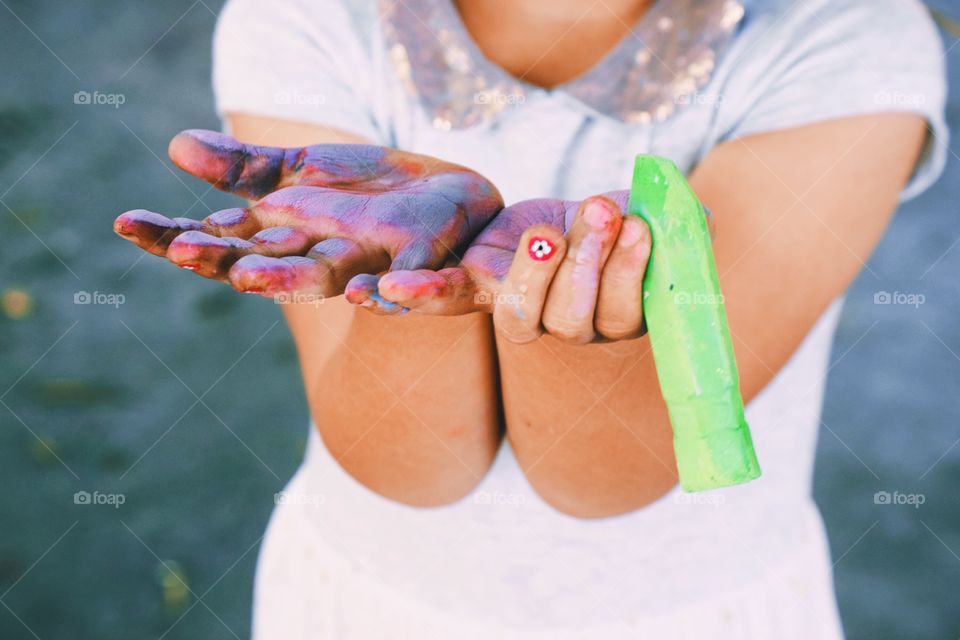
column 541, row 249
column 598, row 215
column 629, row 233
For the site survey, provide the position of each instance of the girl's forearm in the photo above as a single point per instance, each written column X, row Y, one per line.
column 408, row 405
column 588, row 424
column 598, row 441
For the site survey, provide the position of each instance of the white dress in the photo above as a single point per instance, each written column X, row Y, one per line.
column 752, row 561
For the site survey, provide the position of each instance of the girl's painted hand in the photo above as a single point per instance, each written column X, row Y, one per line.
column 571, row 269
column 327, row 218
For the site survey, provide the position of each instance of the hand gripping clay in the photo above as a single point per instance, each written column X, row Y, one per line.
column 687, row 325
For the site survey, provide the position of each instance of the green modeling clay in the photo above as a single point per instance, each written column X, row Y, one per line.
column 683, row 308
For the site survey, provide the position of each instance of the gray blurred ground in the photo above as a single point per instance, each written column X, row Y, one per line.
column 140, row 399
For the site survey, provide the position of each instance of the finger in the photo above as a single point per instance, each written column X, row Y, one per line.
column 205, row 254
column 343, row 259
column 236, row 223
column 151, row 231
column 572, row 298
column 229, row 165
column 416, row 255
column 448, row 291
column 619, row 313
column 363, row 291
column 269, row 276
column 411, row 265
column 209, row 247
column 212, row 257
column 323, row 272
column 282, row 241
column 519, row 300
column 154, row 232
column 253, row 171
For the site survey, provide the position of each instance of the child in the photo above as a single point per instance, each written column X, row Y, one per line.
column 497, row 462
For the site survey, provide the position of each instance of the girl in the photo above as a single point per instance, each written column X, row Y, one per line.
column 497, row 462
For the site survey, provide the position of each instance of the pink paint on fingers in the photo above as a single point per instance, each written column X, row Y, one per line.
column 598, row 214
column 363, row 291
column 233, row 222
column 151, row 231
column 272, row 276
column 383, row 203
column 586, row 276
column 208, row 255
column 412, row 287
column 586, row 271
column 227, row 164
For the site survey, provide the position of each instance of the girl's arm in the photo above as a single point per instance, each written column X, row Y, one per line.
column 408, row 405
column 798, row 213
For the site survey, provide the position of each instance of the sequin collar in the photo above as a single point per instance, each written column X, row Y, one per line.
column 654, row 71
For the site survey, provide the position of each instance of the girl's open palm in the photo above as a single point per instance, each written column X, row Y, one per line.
column 327, row 218
column 572, row 269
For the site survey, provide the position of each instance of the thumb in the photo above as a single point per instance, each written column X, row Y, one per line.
column 415, row 282
column 246, row 170
column 253, row 171
column 447, row 292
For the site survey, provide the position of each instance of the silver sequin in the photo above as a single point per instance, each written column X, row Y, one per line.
column 669, row 55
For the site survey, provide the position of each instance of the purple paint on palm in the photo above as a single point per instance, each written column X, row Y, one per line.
column 326, row 220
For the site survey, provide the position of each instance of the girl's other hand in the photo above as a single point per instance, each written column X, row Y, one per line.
column 327, row 217
column 571, row 269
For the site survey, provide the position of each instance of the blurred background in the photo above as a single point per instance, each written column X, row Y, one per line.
column 136, row 487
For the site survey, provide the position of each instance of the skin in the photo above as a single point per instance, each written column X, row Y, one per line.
column 331, row 218
column 809, row 207
column 410, row 404
column 549, row 43
column 327, row 218
column 594, row 273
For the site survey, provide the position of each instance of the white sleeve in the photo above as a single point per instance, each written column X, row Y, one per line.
column 299, row 60
column 838, row 58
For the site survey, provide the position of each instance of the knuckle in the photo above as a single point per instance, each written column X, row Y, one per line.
column 623, row 278
column 618, row 320
column 618, row 329
column 570, row 258
column 568, row 331
column 513, row 329
column 521, row 334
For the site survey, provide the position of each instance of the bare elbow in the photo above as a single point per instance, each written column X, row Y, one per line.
column 599, row 496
